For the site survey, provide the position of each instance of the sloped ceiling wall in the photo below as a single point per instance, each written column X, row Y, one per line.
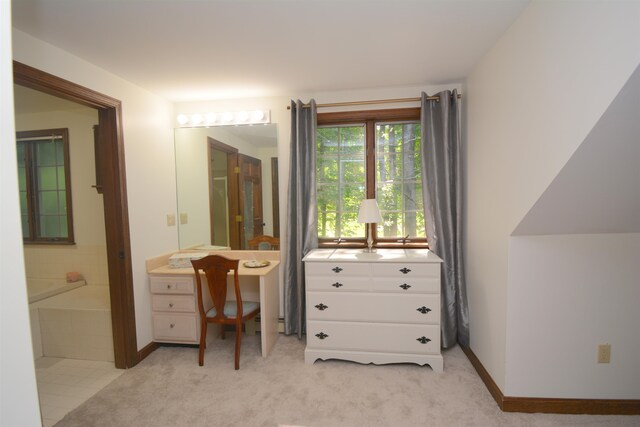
column 598, row 190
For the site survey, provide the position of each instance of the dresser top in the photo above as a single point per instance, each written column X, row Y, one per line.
column 381, row 255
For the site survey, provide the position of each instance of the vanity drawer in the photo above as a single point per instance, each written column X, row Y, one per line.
column 374, row 337
column 171, row 285
column 337, row 269
column 373, row 307
column 177, row 303
column 175, row 327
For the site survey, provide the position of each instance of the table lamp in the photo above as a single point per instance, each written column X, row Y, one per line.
column 369, row 214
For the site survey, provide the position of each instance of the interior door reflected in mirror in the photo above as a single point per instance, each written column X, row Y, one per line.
column 227, row 185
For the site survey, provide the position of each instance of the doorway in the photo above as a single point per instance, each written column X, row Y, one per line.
column 111, row 168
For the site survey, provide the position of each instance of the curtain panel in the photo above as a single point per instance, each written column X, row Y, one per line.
column 442, row 191
column 302, row 216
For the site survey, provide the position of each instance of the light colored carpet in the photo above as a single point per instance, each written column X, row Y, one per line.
column 170, row 389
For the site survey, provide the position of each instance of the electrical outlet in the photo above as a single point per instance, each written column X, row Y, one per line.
column 604, row 353
column 171, row 220
column 184, row 218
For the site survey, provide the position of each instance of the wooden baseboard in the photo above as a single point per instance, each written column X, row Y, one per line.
column 551, row 405
column 147, row 350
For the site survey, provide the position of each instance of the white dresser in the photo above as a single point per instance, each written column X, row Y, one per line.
column 381, row 307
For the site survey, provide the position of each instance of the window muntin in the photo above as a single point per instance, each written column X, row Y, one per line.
column 385, row 163
column 45, row 194
column 340, row 180
column 399, row 180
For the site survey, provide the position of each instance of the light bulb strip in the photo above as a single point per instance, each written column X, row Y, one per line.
column 224, row 118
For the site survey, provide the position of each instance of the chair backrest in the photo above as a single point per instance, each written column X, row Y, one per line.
column 216, row 269
column 264, row 243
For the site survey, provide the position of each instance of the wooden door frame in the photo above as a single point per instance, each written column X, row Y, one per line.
column 242, row 160
column 123, row 318
column 232, row 188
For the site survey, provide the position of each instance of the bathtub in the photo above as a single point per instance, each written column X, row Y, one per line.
column 39, row 289
column 75, row 324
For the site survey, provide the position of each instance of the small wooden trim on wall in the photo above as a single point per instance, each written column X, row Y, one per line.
column 147, row 350
column 551, row 405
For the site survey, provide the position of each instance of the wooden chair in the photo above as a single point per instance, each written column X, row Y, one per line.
column 216, row 269
column 264, row 243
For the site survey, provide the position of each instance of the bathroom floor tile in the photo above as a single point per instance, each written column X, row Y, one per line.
column 64, row 384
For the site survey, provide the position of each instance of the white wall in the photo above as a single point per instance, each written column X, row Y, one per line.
column 532, row 100
column 18, row 392
column 88, row 255
column 567, row 294
column 147, row 122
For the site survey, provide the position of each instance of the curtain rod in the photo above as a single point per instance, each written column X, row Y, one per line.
column 39, row 138
column 378, row 101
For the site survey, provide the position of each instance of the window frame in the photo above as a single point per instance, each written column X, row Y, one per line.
column 31, row 186
column 369, row 118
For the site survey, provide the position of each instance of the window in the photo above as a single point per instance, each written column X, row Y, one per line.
column 45, row 191
column 370, row 154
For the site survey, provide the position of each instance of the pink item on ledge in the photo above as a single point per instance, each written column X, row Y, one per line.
column 73, row 276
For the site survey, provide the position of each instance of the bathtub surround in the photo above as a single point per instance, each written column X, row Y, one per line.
column 39, row 289
column 75, row 325
column 169, row 388
column 48, row 262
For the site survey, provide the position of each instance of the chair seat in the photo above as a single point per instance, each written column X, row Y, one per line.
column 231, row 307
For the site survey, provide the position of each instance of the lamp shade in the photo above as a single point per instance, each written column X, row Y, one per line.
column 369, row 212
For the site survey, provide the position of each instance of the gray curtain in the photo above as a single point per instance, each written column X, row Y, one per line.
column 442, row 191
column 302, row 216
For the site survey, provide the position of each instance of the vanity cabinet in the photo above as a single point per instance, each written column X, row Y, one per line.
column 174, row 309
column 381, row 307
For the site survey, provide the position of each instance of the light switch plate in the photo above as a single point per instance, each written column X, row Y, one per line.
column 184, row 218
column 171, row 220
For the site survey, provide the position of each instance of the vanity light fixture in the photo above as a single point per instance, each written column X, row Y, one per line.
column 211, row 118
column 196, row 119
column 183, row 119
column 225, row 118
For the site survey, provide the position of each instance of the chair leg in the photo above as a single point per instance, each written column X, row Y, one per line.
column 203, row 342
column 238, row 339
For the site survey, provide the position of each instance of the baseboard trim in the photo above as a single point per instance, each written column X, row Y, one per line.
column 147, row 350
column 551, row 405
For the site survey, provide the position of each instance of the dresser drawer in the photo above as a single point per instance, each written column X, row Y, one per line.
column 337, row 269
column 406, row 285
column 373, row 307
column 373, row 337
column 340, row 284
column 406, row 270
column 175, row 327
column 174, row 303
column 171, row 285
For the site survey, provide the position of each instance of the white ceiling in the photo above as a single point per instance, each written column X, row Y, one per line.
column 189, row 50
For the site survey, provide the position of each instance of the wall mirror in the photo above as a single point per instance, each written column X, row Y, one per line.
column 227, row 185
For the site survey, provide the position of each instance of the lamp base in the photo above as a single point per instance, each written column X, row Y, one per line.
column 370, row 248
